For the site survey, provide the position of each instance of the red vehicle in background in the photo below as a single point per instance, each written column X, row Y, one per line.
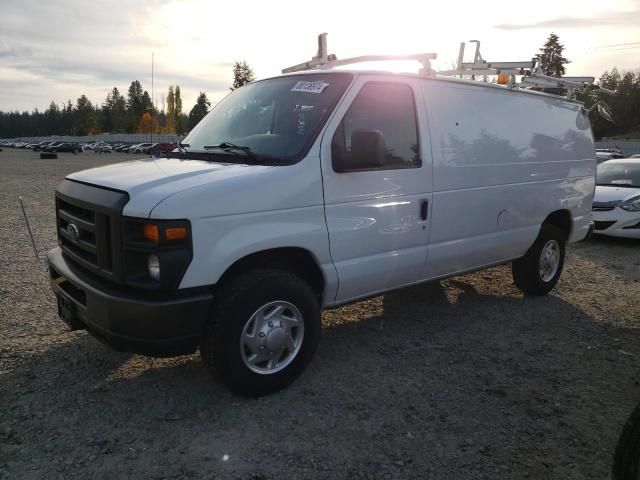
column 159, row 148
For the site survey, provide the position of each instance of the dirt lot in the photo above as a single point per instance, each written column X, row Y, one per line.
column 458, row 379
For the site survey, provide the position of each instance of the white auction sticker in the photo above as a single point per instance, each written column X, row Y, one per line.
column 310, row 87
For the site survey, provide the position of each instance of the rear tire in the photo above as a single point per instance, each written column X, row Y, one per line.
column 539, row 270
column 257, row 314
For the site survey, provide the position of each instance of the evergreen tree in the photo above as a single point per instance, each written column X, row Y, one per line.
column 52, row 120
column 67, row 119
column 84, row 118
column 199, row 110
column 146, row 105
column 551, row 57
column 242, row 74
column 114, row 113
column 118, row 112
column 170, row 123
column 178, row 111
column 134, row 105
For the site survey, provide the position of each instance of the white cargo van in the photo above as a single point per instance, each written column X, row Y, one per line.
column 311, row 190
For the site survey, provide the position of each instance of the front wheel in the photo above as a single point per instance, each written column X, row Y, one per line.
column 539, row 270
column 626, row 460
column 263, row 331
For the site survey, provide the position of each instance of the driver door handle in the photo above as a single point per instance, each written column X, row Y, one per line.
column 424, row 209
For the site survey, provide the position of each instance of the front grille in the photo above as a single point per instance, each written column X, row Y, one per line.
column 602, row 209
column 77, row 231
column 603, row 225
column 88, row 220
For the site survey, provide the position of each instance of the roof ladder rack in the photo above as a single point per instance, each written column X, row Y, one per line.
column 326, row 61
column 530, row 71
column 480, row 66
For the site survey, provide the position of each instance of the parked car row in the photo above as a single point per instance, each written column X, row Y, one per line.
column 51, row 146
column 157, row 148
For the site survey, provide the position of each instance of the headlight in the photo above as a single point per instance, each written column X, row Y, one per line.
column 631, row 205
column 153, row 267
column 156, row 253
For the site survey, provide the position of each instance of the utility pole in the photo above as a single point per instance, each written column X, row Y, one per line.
column 153, row 105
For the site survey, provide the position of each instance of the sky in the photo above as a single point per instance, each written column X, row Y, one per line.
column 59, row 49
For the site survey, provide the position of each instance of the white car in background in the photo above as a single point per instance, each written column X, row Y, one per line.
column 102, row 148
column 139, row 148
column 616, row 204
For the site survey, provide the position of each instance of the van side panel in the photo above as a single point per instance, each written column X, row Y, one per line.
column 503, row 161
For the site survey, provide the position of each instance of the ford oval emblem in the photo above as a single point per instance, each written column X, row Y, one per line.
column 73, row 231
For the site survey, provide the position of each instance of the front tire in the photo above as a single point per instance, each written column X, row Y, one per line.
column 539, row 270
column 626, row 460
column 263, row 331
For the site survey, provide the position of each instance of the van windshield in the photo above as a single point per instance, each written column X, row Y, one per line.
column 275, row 119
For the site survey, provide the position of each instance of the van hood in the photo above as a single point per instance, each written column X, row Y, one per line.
column 149, row 181
column 138, row 175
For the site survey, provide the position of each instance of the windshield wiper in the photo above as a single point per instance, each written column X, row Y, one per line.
column 182, row 147
column 232, row 147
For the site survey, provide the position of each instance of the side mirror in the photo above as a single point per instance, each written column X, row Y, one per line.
column 604, row 110
column 367, row 152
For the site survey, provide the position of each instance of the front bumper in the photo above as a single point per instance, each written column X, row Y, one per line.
column 617, row 223
column 154, row 327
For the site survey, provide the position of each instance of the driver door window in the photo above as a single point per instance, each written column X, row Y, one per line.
column 379, row 131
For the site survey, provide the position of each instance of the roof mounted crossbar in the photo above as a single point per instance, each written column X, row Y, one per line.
column 326, row 61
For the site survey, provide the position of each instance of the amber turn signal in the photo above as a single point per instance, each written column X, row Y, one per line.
column 177, row 233
column 151, row 232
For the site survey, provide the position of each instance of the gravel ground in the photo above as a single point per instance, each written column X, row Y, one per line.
column 463, row 378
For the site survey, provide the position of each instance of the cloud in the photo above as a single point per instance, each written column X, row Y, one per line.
column 62, row 49
column 613, row 19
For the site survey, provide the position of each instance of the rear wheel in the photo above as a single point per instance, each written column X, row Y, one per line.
column 263, row 331
column 539, row 270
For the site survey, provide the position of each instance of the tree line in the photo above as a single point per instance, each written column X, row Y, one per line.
column 130, row 113
column 625, row 104
column 133, row 112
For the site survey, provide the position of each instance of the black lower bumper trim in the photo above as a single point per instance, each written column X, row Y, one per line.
column 129, row 323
